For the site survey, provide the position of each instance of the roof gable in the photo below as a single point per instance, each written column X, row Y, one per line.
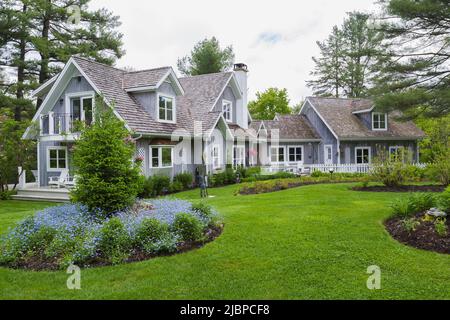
column 341, row 115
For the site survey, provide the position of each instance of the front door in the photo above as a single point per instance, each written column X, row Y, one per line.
column 328, row 154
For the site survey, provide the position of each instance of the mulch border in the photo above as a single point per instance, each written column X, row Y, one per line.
column 425, row 237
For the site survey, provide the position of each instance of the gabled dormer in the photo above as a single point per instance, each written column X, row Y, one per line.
column 156, row 90
column 374, row 120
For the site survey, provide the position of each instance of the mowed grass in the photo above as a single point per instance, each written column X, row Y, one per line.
column 312, row 242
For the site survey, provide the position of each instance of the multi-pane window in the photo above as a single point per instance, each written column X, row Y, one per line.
column 379, row 121
column 239, row 156
column 396, row 153
column 215, row 153
column 57, row 158
column 161, row 157
column 166, row 109
column 81, row 109
column 362, row 155
column 277, row 154
column 295, row 154
column 227, row 109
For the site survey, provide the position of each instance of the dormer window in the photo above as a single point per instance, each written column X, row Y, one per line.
column 166, row 109
column 379, row 121
column 227, row 109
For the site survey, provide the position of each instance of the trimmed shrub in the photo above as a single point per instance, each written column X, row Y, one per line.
column 161, row 185
column 185, row 179
column 147, row 188
column 107, row 179
column 188, row 227
column 203, row 209
column 176, row 186
column 153, row 236
column 114, row 243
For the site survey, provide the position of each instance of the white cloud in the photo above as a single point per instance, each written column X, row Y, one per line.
column 275, row 38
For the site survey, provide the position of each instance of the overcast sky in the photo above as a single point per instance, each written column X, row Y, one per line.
column 275, row 38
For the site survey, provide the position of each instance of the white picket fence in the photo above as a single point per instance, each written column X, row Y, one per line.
column 341, row 168
column 349, row 168
column 327, row 168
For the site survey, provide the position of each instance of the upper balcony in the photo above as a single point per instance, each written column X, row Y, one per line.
column 62, row 124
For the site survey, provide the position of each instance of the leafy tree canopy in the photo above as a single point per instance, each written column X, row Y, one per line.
column 269, row 103
column 206, row 57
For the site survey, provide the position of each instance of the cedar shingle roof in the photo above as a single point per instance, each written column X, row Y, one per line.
column 338, row 114
column 144, row 78
column 200, row 94
column 293, row 127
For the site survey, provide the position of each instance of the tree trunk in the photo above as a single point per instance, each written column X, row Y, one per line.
column 20, row 71
column 45, row 59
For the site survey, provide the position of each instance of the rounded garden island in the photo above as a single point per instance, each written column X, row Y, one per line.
column 59, row 236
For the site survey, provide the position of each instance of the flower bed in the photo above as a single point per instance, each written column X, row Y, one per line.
column 274, row 185
column 415, row 224
column 59, row 236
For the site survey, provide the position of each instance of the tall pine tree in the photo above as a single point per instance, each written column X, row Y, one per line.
column 346, row 66
column 38, row 37
column 329, row 66
column 416, row 77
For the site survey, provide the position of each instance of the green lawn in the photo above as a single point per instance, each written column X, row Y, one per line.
column 312, row 242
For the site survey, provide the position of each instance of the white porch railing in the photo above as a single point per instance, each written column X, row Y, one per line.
column 327, row 168
column 341, row 168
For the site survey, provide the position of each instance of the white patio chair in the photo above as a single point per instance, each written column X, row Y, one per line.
column 70, row 182
column 58, row 182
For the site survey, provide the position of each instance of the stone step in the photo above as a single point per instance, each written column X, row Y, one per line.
column 40, row 198
column 55, row 195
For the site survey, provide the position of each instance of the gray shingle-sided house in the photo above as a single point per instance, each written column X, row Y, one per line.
column 335, row 131
column 180, row 124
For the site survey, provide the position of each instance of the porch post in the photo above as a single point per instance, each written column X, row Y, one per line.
column 51, row 123
column 22, row 178
column 41, row 125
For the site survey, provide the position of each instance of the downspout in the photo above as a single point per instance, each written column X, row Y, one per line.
column 339, row 151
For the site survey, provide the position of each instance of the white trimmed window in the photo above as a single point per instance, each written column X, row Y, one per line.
column 239, row 155
column 215, row 155
column 277, row 154
column 295, row 154
column 166, row 109
column 396, row 153
column 227, row 109
column 362, row 155
column 161, row 157
column 56, row 158
column 379, row 121
column 81, row 109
